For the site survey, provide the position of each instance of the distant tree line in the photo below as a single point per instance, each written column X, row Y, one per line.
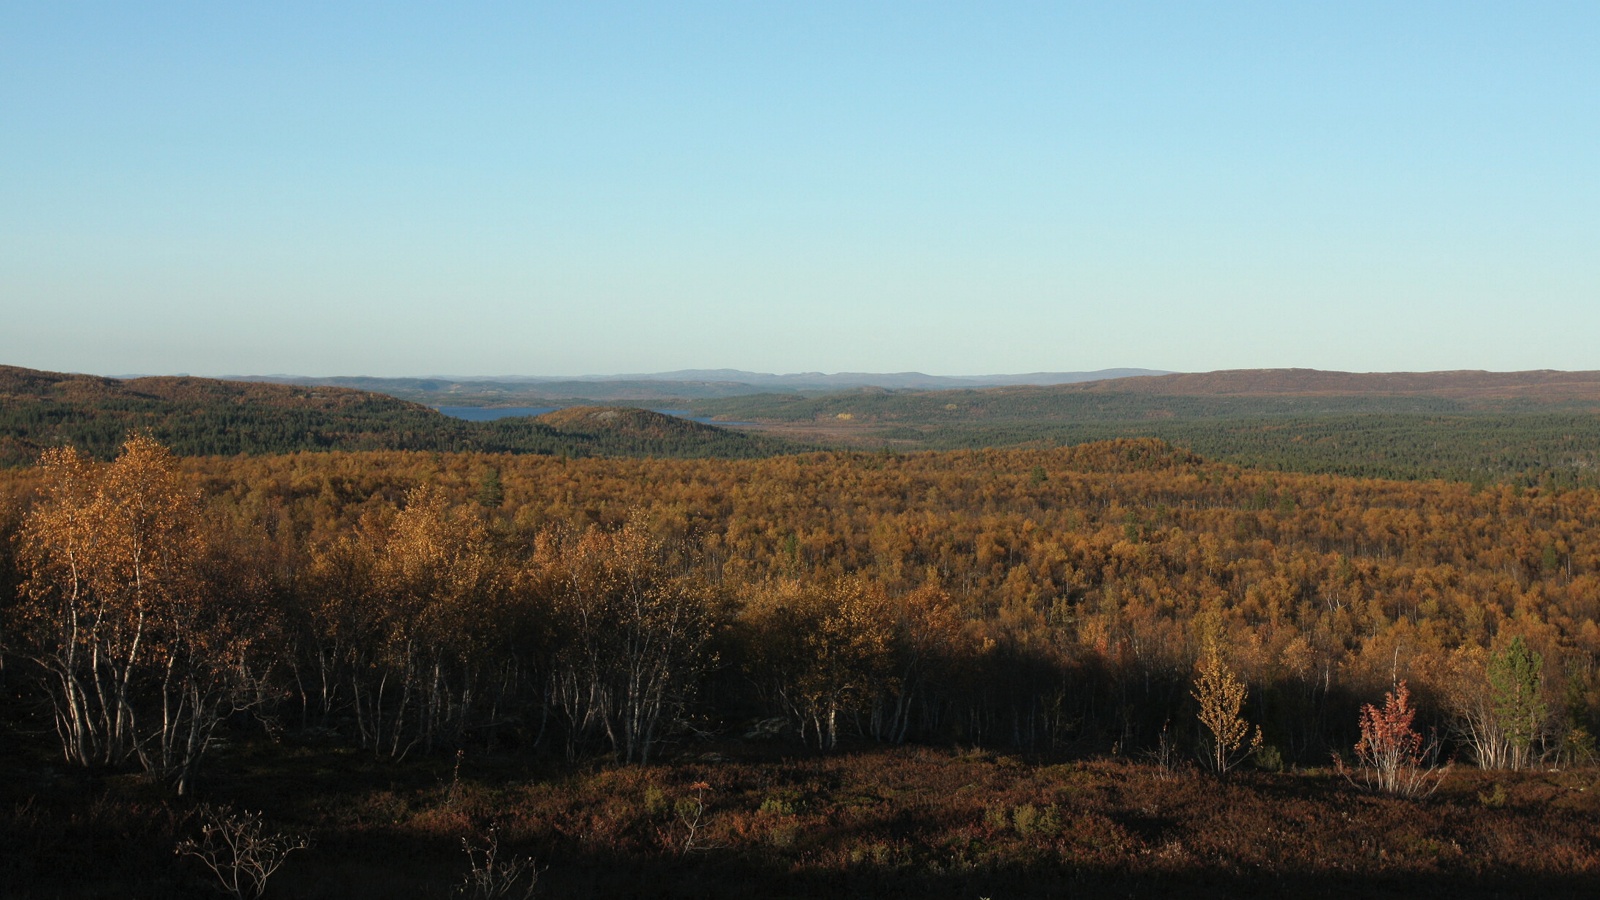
column 1553, row 450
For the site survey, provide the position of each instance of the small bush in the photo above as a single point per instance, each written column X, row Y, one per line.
column 778, row 806
column 783, row 835
column 1026, row 820
column 238, row 850
column 492, row 875
column 1393, row 757
column 1578, row 748
column 1494, row 797
column 691, row 813
column 997, row 818
column 1269, row 758
column 655, row 801
column 1029, row 819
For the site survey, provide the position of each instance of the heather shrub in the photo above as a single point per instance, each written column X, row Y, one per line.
column 1043, row 821
column 780, row 805
column 655, row 801
column 1494, row 797
column 1269, row 758
column 997, row 818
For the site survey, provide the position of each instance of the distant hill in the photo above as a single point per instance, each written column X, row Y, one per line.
column 202, row 416
column 1521, row 426
column 811, row 381
column 709, row 384
column 688, row 384
column 1190, row 396
column 489, row 393
column 1472, row 385
column 1532, row 428
column 641, row 423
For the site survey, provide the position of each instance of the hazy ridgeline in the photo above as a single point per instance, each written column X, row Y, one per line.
column 1529, row 428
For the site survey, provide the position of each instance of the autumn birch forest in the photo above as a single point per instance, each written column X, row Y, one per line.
column 1041, row 671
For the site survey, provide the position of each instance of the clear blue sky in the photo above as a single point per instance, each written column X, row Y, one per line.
column 541, row 188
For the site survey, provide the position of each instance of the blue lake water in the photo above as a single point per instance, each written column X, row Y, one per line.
column 489, row 413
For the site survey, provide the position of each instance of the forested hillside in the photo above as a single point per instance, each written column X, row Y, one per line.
column 200, row 417
column 1530, row 427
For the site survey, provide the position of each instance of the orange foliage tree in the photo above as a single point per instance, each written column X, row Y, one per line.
column 635, row 637
column 1391, row 752
column 143, row 651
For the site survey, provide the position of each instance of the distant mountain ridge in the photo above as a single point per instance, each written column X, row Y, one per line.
column 1545, row 384
column 1535, row 428
column 691, row 384
column 1207, row 395
column 1532, row 428
column 892, row 380
column 688, row 384
column 696, row 385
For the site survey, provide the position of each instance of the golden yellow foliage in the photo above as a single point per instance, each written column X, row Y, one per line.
column 1221, row 697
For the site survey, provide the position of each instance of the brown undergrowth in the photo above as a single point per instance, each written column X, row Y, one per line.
column 904, row 822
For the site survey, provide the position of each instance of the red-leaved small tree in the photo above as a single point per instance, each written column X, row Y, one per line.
column 1393, row 756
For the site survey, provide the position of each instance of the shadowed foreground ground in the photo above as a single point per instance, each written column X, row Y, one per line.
column 870, row 823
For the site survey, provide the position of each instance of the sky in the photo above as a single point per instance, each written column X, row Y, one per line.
column 590, row 188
